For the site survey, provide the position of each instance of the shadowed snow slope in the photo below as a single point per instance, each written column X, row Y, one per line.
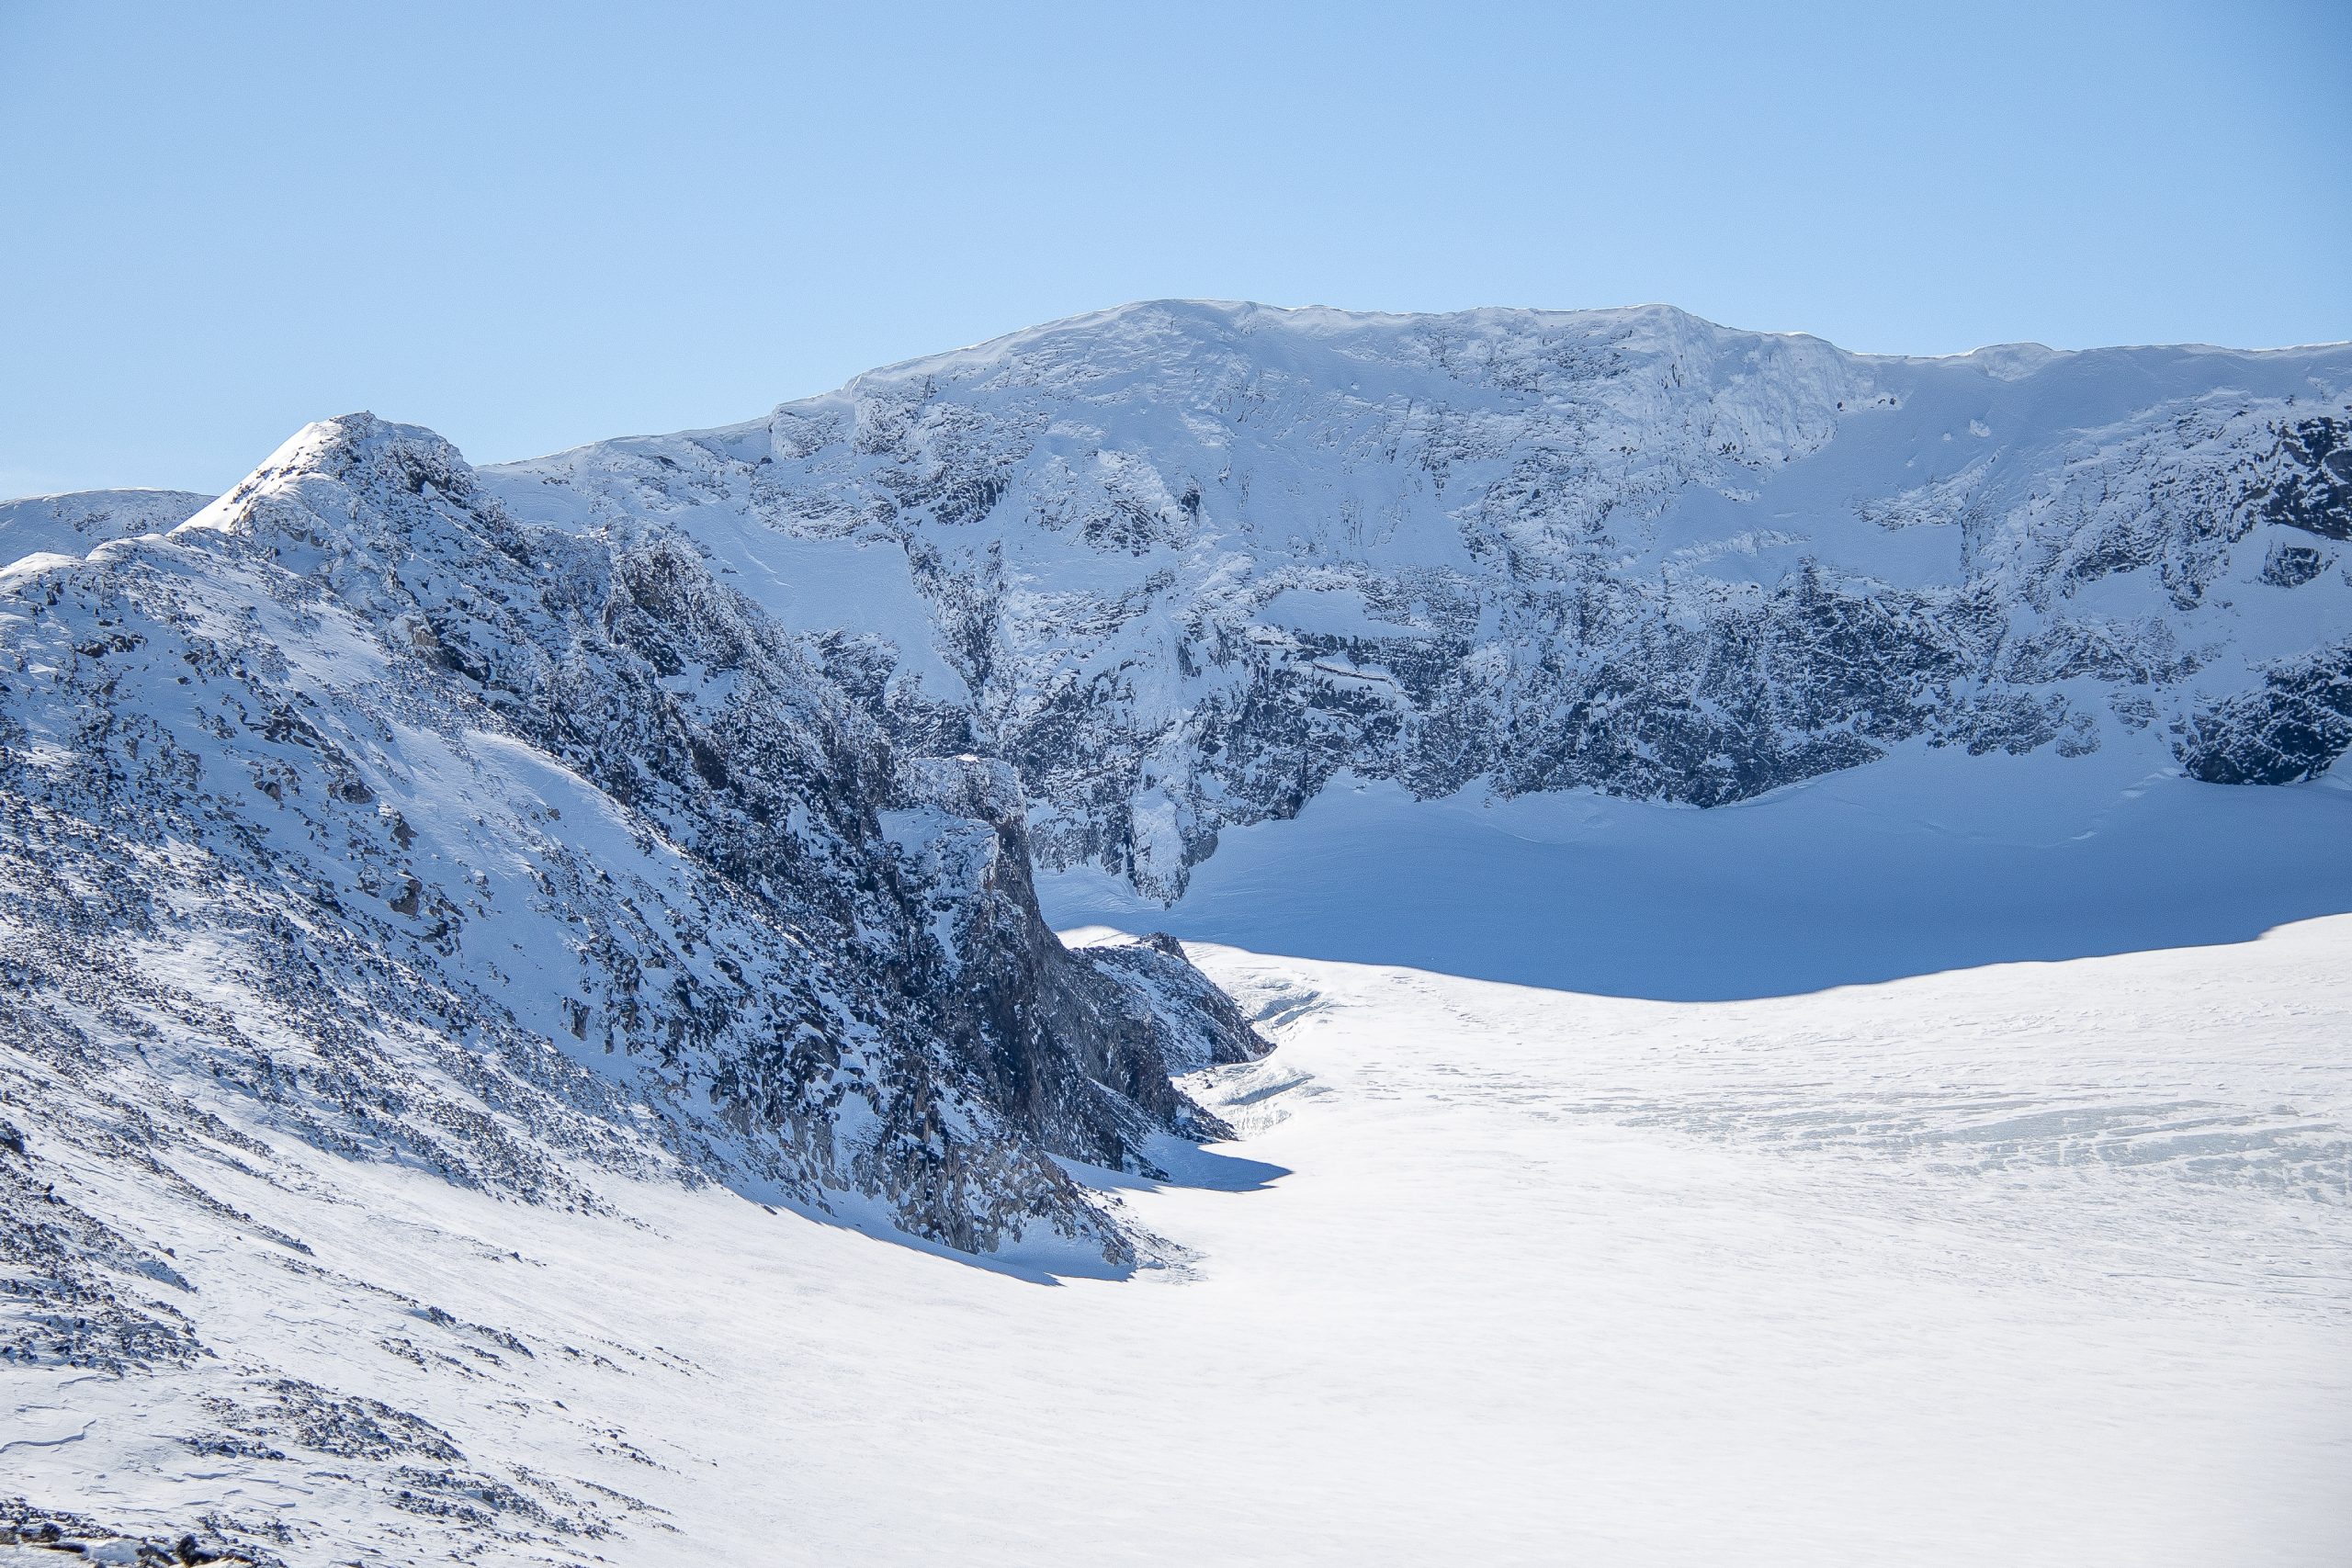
column 1926, row 862
column 2030, row 1265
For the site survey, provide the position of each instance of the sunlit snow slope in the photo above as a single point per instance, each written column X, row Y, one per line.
column 2030, row 1264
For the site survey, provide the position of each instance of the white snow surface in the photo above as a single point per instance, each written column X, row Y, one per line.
column 74, row 523
column 2038, row 1263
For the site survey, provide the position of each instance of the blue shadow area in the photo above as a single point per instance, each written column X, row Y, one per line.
column 1186, row 1164
column 1928, row 860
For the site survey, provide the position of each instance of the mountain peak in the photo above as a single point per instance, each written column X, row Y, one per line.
column 357, row 451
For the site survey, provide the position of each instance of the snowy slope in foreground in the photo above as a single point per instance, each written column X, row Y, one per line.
column 2036, row 1264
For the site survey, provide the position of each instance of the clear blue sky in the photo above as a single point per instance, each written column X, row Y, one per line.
column 533, row 227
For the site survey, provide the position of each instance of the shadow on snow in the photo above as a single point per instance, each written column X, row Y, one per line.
column 1926, row 862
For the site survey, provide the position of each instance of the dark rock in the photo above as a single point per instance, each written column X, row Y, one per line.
column 2292, row 729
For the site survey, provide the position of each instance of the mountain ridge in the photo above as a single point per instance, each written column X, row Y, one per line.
column 1624, row 549
column 1628, row 550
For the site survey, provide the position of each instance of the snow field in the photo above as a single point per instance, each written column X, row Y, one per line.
column 2033, row 1263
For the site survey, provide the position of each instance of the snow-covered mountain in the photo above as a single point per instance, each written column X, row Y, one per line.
column 441, row 910
column 2036, row 1264
column 1181, row 564
column 355, row 812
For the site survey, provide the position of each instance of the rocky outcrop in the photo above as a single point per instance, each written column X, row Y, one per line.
column 2311, row 487
column 1196, row 1025
column 2293, row 728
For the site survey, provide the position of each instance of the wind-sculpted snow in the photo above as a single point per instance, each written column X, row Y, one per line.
column 1182, row 564
column 355, row 813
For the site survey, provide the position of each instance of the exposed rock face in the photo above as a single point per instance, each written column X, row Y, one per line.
column 1181, row 564
column 2293, row 726
column 1197, row 1025
column 1077, row 1048
column 2311, row 487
